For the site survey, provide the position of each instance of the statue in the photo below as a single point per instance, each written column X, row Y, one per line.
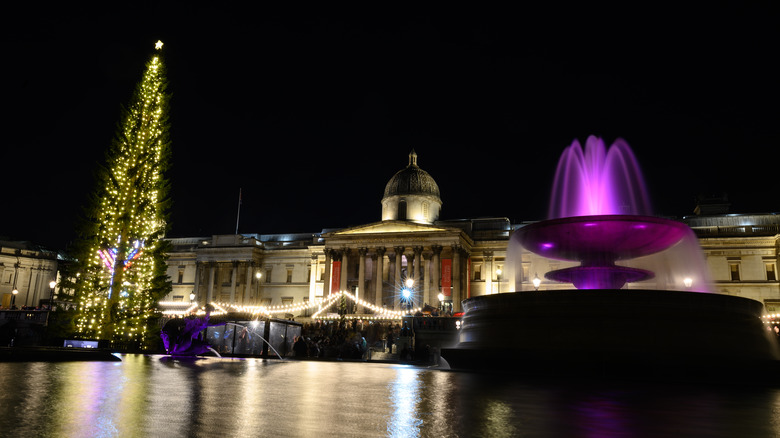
column 180, row 335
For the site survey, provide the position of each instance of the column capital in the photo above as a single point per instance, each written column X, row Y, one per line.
column 362, row 251
column 436, row 249
column 380, row 250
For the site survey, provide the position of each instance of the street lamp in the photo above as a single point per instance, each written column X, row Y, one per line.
column 441, row 302
column 688, row 282
column 52, row 284
column 406, row 293
column 498, row 278
column 192, row 297
column 13, row 299
column 537, row 281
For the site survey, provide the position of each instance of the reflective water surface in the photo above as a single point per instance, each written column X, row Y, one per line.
column 150, row 396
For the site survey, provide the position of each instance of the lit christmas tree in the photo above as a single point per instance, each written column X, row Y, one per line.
column 122, row 261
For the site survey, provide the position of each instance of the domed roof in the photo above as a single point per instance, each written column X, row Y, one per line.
column 412, row 181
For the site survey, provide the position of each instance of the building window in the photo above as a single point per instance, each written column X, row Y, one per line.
column 268, row 275
column 289, row 275
column 178, row 298
column 771, row 273
column 477, row 272
column 402, row 210
column 286, row 301
column 526, row 271
column 181, row 277
column 734, row 271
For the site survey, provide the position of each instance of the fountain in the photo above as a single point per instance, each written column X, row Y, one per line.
column 641, row 306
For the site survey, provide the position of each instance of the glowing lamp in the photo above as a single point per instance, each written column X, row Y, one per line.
column 537, row 281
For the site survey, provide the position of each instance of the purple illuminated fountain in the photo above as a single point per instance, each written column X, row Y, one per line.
column 599, row 215
column 636, row 309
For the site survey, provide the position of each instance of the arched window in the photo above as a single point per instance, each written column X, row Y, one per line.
column 402, row 210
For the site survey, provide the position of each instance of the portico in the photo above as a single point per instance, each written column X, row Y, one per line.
column 373, row 261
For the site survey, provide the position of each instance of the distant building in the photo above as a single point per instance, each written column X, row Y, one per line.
column 28, row 269
column 741, row 251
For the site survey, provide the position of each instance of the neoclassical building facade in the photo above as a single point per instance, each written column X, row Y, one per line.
column 447, row 261
column 28, row 270
column 373, row 262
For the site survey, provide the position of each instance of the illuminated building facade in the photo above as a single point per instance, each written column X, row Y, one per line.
column 455, row 258
column 28, row 269
column 373, row 262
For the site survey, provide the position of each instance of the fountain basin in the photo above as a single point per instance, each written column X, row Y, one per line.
column 618, row 333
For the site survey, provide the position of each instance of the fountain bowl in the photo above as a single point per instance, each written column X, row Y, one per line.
column 600, row 237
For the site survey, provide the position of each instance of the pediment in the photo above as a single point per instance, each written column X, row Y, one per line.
column 388, row 227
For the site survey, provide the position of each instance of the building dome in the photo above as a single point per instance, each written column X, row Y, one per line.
column 412, row 181
column 411, row 194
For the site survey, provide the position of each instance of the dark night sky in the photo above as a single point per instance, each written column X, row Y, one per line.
column 310, row 115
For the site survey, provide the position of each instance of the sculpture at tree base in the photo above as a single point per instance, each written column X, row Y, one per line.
column 180, row 335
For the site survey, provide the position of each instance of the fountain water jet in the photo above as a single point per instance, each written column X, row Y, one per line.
column 600, row 216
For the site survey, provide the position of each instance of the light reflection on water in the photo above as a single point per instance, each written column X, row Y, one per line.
column 145, row 396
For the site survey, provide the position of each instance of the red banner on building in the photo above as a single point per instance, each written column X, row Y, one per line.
column 446, row 277
column 335, row 277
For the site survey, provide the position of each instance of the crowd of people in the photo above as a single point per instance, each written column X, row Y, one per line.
column 354, row 339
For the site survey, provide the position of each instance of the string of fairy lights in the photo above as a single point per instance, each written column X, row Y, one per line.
column 322, row 305
column 121, row 271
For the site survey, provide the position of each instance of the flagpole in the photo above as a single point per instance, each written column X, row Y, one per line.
column 238, row 214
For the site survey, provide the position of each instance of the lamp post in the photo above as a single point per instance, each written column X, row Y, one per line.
column 498, row 278
column 192, row 297
column 13, row 298
column 52, row 285
column 441, row 302
column 407, row 293
column 537, row 281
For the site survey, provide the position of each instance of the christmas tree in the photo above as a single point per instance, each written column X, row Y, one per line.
column 121, row 272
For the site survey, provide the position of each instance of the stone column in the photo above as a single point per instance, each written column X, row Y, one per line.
column 397, row 280
column 380, row 258
column 313, row 279
column 456, row 292
column 489, row 272
column 361, row 291
column 212, row 268
column 248, row 284
column 233, row 275
column 436, row 272
column 426, row 267
column 196, row 285
column 326, row 277
column 419, row 287
column 344, row 261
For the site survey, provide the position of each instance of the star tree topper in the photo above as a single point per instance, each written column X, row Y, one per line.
column 158, row 45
